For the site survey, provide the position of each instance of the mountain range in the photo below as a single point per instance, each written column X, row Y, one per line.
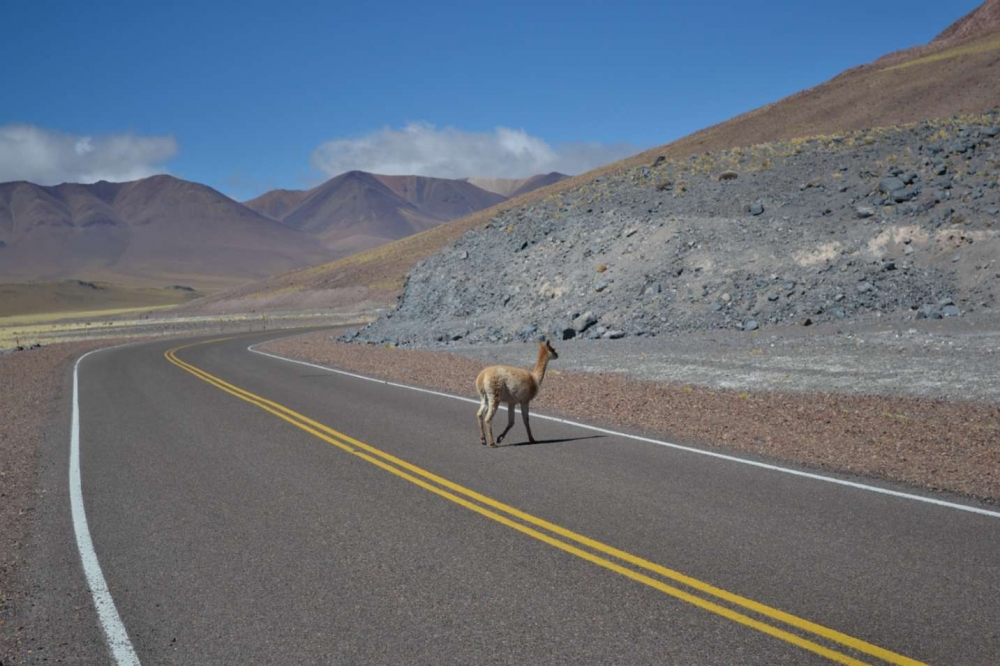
column 357, row 210
column 151, row 231
column 163, row 230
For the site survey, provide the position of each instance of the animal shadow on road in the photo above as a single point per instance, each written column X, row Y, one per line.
column 550, row 441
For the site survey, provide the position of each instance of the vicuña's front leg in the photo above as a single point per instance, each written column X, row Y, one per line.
column 527, row 426
column 510, row 422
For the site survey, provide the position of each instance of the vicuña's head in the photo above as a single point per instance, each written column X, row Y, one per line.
column 550, row 350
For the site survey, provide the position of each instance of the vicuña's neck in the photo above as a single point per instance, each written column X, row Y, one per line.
column 540, row 365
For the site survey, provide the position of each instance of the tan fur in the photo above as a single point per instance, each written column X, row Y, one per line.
column 514, row 386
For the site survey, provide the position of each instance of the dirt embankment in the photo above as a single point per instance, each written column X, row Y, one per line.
column 929, row 443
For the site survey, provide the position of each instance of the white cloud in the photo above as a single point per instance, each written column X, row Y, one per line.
column 422, row 149
column 48, row 157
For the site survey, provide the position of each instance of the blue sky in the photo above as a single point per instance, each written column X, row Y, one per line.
column 248, row 96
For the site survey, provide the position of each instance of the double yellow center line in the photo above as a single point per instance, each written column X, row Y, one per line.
column 768, row 620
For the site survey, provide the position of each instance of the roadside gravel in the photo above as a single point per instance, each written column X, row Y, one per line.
column 949, row 360
column 951, row 445
column 32, row 383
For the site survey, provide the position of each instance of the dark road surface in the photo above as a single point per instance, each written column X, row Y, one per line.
column 344, row 521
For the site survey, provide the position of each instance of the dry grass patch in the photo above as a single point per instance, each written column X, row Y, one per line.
column 956, row 52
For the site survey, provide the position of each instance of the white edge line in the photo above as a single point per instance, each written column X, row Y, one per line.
column 648, row 440
column 114, row 631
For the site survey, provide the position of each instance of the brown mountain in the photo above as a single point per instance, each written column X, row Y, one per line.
column 151, row 231
column 538, row 182
column 276, row 203
column 984, row 20
column 357, row 210
column 441, row 198
column 958, row 73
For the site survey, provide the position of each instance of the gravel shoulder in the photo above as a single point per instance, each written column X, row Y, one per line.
column 933, row 439
column 943, row 359
column 34, row 393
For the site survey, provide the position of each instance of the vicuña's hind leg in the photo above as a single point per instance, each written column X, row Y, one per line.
column 510, row 422
column 490, row 412
column 483, row 406
column 527, row 426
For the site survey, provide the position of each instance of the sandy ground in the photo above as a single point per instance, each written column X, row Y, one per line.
column 930, row 443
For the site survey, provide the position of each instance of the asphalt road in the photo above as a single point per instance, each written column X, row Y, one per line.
column 272, row 513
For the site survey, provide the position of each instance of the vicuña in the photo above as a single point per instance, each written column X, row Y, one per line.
column 515, row 386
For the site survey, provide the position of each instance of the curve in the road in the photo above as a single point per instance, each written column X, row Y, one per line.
column 526, row 524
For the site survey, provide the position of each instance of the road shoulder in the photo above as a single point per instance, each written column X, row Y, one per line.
column 46, row 613
column 931, row 444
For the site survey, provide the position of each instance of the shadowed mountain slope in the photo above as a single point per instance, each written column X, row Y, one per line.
column 502, row 186
column 441, row 198
column 512, row 187
column 276, row 203
column 538, row 182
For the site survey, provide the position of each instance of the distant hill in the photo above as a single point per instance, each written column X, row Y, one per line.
column 151, row 231
column 512, row 187
column 502, row 186
column 357, row 210
column 441, row 198
column 538, row 182
column 276, row 203
column 957, row 73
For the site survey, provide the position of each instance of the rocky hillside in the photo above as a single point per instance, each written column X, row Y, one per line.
column 898, row 222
